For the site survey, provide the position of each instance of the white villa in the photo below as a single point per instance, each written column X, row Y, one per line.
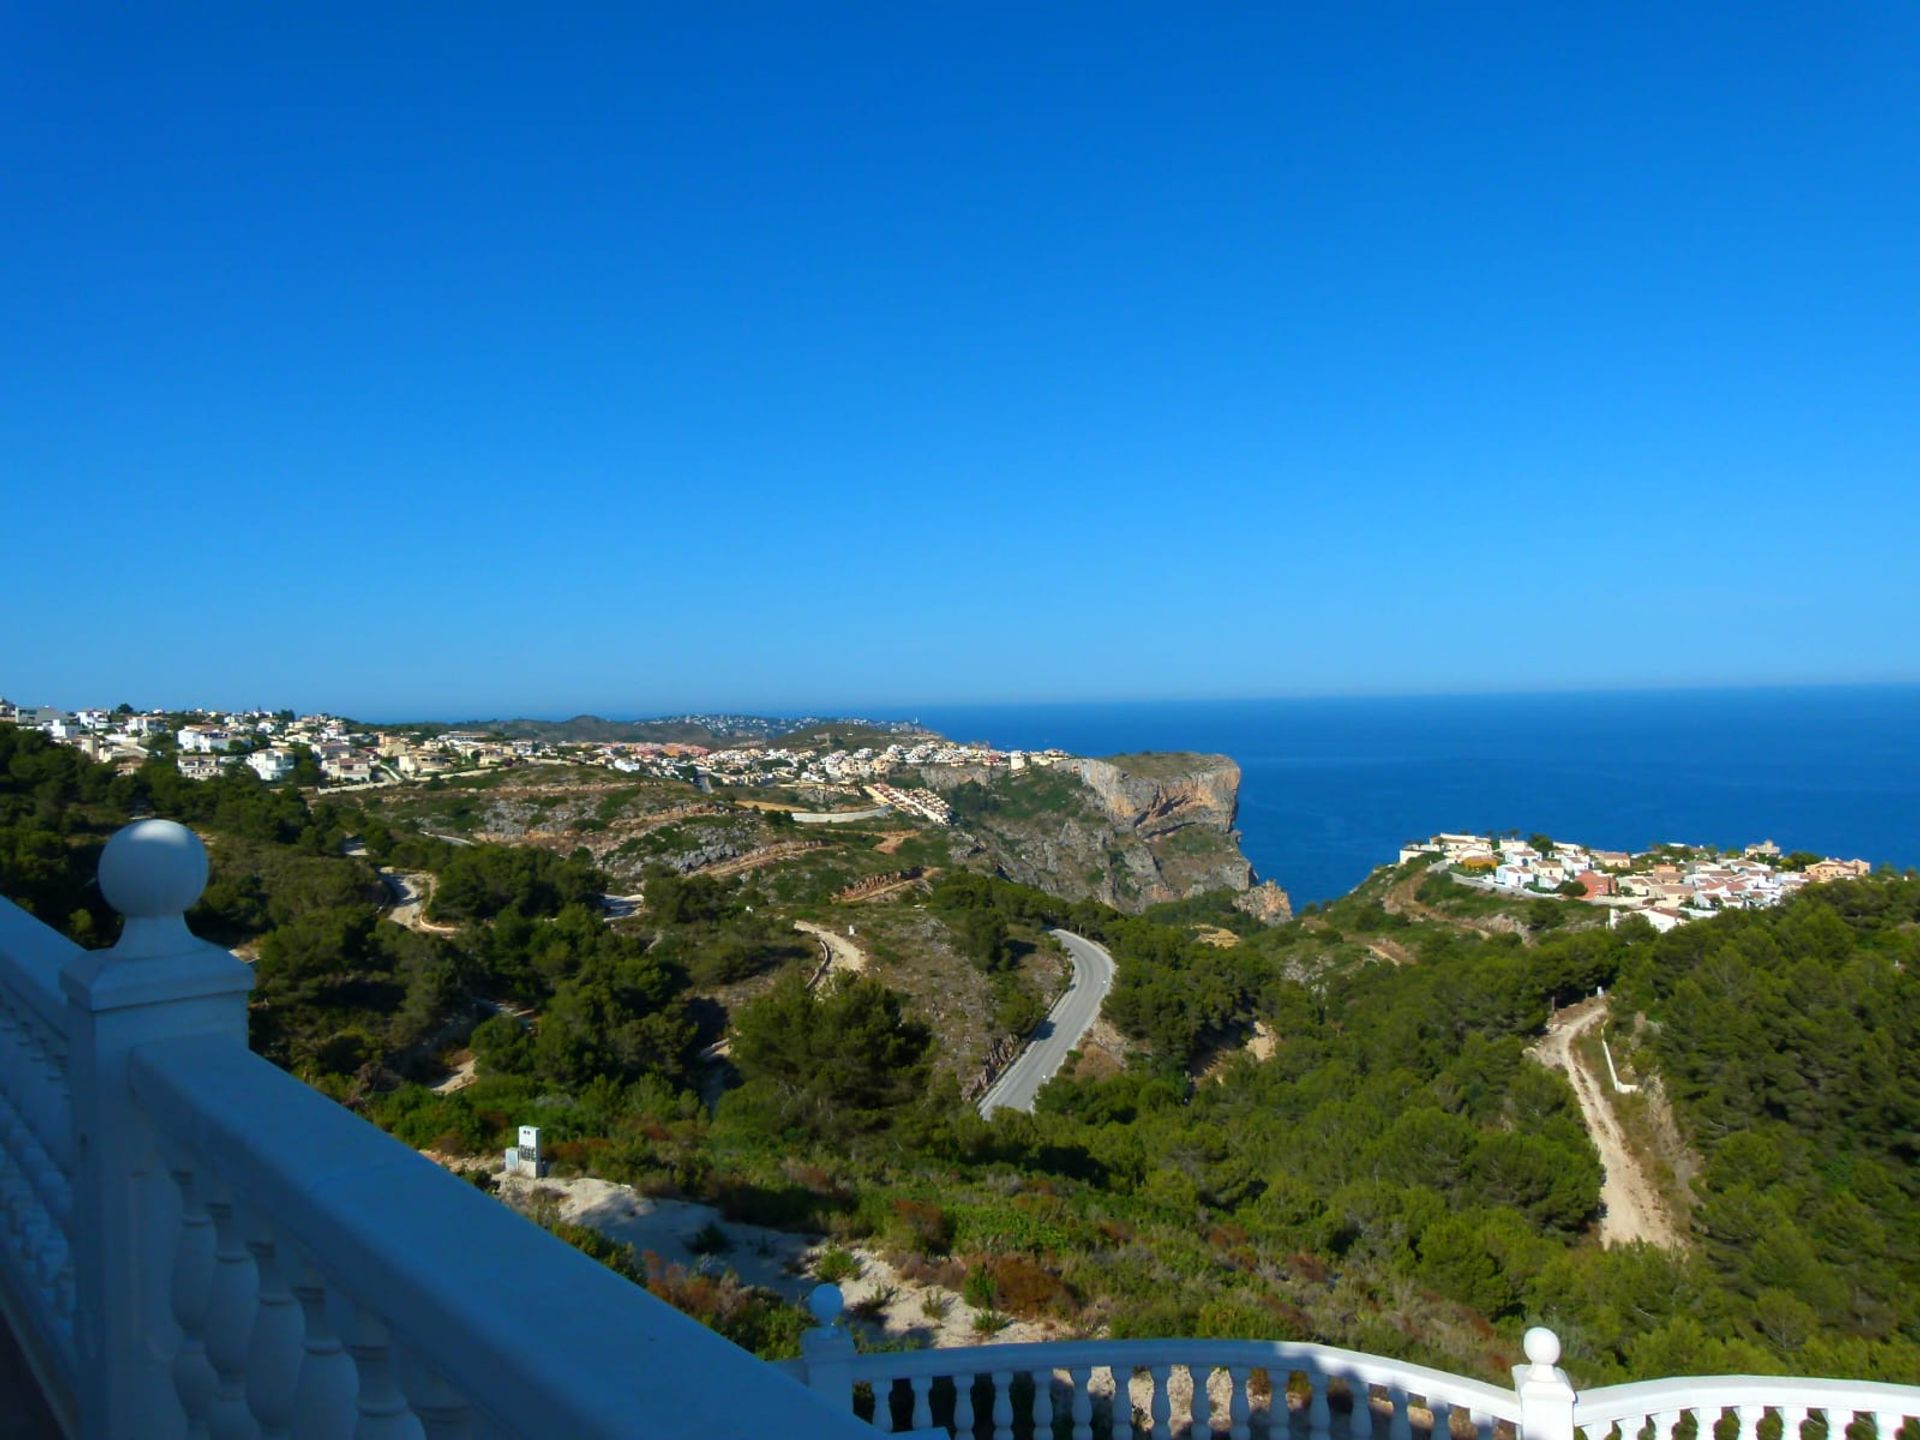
column 271, row 765
column 202, row 739
column 200, row 767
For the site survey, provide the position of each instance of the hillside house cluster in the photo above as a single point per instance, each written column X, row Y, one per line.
column 864, row 766
column 921, row 802
column 1669, row 885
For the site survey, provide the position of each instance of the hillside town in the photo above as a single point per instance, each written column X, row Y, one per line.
column 329, row 751
column 1667, row 885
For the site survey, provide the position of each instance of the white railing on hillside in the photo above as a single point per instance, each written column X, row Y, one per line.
column 1264, row 1390
column 196, row 1243
column 1625, row 1411
column 193, row 1243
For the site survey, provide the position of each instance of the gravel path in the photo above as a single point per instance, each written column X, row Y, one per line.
column 1634, row 1211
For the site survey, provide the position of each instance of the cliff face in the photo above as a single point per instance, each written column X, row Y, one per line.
column 1131, row 830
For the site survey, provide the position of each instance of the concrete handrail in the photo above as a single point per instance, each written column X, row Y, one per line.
column 530, row 1332
column 32, row 954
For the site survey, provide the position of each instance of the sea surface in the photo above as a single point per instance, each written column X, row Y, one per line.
column 1332, row 788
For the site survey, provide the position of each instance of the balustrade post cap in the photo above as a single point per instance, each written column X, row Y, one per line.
column 1542, row 1347
column 826, row 1303
column 153, row 869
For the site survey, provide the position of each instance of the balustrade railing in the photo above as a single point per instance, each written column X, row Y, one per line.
column 194, row 1243
column 1158, row 1389
column 1664, row 1409
column 1268, row 1390
column 198, row 1244
column 36, row 1152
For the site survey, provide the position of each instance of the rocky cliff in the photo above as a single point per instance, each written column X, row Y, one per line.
column 1130, row 830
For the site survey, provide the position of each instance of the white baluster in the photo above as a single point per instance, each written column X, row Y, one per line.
column 323, row 1398
column 1082, row 1403
column 921, row 1385
column 274, row 1352
column 1666, row 1425
column 963, row 1407
column 1886, row 1424
column 193, row 1264
column 1360, row 1419
column 1792, row 1418
column 1400, row 1427
column 1442, row 1418
column 442, row 1410
column 1319, row 1410
column 63, row 1295
column 1482, row 1424
column 231, row 1305
column 1200, row 1411
column 1043, row 1404
column 382, row 1410
column 1162, row 1402
column 1237, row 1426
column 1003, row 1405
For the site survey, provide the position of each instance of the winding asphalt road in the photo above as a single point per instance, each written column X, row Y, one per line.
column 1066, row 1024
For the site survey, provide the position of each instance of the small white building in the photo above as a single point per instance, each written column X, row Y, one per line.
column 202, row 739
column 271, row 765
column 524, row 1158
column 200, row 767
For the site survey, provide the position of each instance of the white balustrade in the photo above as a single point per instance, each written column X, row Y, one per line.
column 1664, row 1404
column 1340, row 1394
column 220, row 1251
column 36, row 1154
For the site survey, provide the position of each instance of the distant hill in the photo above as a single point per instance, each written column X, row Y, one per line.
column 845, row 734
column 593, row 729
column 713, row 731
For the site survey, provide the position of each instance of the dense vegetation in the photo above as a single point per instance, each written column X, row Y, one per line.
column 1399, row 1176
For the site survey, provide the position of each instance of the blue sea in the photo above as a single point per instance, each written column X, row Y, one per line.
column 1332, row 788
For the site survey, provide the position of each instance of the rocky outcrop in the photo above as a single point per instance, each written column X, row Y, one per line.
column 1129, row 830
column 1267, row 903
column 1162, row 793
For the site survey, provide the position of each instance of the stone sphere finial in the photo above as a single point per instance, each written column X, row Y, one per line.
column 1542, row 1347
column 826, row 1302
column 153, row 869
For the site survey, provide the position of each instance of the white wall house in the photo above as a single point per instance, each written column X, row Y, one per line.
column 202, row 739
column 354, row 769
column 200, row 767
column 271, row 765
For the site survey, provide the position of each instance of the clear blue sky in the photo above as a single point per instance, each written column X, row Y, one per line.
column 463, row 359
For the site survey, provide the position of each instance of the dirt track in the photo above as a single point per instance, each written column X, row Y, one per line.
column 1633, row 1207
column 411, row 890
column 1402, row 898
column 841, row 956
